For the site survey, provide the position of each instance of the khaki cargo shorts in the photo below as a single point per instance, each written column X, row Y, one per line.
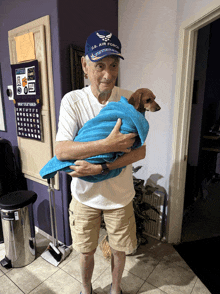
column 85, row 224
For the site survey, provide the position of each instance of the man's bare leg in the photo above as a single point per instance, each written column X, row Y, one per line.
column 118, row 264
column 87, row 266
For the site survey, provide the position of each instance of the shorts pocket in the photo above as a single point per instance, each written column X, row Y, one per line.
column 71, row 218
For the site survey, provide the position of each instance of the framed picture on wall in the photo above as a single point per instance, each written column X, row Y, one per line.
column 77, row 75
column 2, row 110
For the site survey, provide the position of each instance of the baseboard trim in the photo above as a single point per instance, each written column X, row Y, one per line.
column 38, row 230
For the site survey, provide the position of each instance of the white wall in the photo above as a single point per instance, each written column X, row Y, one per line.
column 187, row 8
column 147, row 32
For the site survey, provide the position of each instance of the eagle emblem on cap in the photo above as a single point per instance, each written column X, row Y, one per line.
column 104, row 38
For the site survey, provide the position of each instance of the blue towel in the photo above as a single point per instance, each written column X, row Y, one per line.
column 99, row 128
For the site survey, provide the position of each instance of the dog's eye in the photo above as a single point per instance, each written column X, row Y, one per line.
column 148, row 100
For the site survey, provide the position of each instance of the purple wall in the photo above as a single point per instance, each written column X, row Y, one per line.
column 77, row 20
column 14, row 14
column 71, row 22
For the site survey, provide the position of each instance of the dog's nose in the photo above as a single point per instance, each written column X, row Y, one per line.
column 158, row 108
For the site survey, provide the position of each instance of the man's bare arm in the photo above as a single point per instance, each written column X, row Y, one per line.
column 83, row 168
column 128, row 158
column 115, row 142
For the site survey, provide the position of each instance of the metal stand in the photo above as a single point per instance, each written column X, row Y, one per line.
column 56, row 252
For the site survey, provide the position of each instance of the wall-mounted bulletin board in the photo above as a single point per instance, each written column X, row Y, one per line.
column 32, row 41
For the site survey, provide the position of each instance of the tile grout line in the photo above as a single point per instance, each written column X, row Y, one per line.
column 43, row 281
column 194, row 285
column 70, row 275
column 175, row 266
column 158, row 288
column 76, row 278
column 100, row 275
column 14, row 283
column 140, row 287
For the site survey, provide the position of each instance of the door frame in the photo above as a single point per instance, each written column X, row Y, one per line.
column 182, row 114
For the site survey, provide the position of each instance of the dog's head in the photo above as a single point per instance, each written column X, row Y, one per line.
column 144, row 100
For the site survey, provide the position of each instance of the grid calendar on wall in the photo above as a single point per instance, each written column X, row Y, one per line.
column 27, row 99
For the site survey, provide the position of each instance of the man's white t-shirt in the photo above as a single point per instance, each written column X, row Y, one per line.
column 77, row 107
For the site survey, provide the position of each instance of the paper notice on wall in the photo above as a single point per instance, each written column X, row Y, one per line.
column 25, row 47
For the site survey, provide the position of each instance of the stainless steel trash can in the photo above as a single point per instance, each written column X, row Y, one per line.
column 18, row 228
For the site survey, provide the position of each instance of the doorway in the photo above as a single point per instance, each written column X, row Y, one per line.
column 182, row 115
column 201, row 203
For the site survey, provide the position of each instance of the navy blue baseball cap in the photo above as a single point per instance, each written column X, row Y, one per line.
column 101, row 44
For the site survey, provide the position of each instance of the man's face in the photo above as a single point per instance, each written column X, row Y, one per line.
column 103, row 74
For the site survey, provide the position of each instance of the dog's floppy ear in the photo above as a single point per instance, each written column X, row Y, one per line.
column 135, row 99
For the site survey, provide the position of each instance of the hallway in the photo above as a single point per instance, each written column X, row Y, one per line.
column 202, row 219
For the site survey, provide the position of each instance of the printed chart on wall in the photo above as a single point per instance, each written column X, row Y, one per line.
column 27, row 99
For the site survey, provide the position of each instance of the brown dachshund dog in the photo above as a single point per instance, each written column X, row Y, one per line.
column 144, row 100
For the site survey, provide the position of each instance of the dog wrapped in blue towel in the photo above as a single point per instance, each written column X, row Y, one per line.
column 131, row 112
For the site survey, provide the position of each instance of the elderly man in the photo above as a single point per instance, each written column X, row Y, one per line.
column 112, row 197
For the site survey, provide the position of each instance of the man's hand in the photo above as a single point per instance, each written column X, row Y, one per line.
column 115, row 142
column 120, row 142
column 83, row 168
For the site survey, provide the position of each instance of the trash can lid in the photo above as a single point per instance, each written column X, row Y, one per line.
column 17, row 199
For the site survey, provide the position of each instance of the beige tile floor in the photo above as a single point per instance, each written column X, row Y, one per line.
column 156, row 268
